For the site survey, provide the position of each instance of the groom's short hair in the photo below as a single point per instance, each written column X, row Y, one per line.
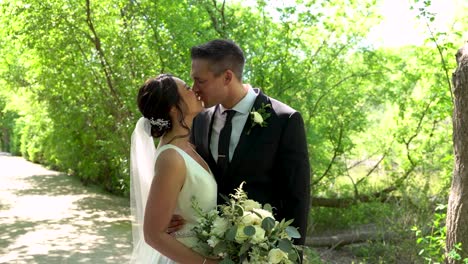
column 224, row 55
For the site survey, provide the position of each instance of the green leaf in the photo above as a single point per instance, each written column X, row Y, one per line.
column 288, row 222
column 227, row 261
column 268, row 207
column 292, row 232
column 239, row 210
column 293, row 256
column 244, row 248
column 249, row 230
column 220, row 247
column 231, row 233
column 268, row 224
column 285, row 245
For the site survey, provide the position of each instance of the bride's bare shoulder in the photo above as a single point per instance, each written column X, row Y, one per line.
column 170, row 159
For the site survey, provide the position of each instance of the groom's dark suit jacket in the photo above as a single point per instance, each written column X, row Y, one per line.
column 272, row 160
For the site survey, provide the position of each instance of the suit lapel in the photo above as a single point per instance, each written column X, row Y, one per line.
column 206, row 126
column 210, row 129
column 246, row 141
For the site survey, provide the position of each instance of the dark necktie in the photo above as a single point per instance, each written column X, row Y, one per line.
column 223, row 144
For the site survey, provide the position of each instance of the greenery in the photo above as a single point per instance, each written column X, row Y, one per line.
column 378, row 119
column 432, row 243
column 245, row 231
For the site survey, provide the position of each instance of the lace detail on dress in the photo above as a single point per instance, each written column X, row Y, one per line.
column 181, row 234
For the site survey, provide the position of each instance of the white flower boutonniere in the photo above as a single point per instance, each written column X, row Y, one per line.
column 259, row 116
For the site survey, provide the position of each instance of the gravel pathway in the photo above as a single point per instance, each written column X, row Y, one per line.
column 49, row 217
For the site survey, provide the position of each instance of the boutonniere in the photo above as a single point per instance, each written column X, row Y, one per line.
column 259, row 116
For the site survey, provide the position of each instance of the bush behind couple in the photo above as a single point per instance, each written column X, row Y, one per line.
column 209, row 144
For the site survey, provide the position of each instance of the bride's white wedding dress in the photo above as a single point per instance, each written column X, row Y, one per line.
column 199, row 183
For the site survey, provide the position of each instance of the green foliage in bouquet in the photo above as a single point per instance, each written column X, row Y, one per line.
column 244, row 231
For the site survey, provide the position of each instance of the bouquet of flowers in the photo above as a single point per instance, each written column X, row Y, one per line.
column 244, row 231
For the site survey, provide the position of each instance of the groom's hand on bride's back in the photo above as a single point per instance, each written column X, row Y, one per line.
column 176, row 223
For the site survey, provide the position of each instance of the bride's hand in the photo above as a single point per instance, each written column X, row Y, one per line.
column 177, row 222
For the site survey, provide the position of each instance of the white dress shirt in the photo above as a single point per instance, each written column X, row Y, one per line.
column 242, row 108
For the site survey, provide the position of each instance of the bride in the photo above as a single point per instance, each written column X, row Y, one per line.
column 164, row 179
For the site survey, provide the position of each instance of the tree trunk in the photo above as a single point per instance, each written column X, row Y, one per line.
column 5, row 141
column 457, row 212
column 364, row 233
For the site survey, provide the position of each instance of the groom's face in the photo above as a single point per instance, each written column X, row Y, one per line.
column 210, row 89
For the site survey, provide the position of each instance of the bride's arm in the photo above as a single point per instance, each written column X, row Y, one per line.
column 170, row 172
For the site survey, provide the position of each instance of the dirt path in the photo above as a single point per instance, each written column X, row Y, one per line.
column 49, row 217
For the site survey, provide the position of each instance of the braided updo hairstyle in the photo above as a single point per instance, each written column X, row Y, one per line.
column 155, row 99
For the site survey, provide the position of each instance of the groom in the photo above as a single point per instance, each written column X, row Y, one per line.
column 266, row 149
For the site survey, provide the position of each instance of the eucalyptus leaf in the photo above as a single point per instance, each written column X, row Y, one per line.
column 239, row 210
column 268, row 207
column 285, row 245
column 292, row 232
column 268, row 224
column 249, row 230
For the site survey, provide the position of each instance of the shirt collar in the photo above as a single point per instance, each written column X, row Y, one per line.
column 245, row 104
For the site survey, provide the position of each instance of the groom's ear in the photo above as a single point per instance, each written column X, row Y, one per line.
column 228, row 77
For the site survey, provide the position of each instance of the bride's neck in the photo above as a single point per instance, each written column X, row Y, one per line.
column 178, row 135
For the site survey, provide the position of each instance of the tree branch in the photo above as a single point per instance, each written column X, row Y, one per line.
column 335, row 155
column 97, row 45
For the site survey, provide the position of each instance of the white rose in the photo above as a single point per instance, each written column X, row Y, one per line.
column 276, row 255
column 250, row 218
column 257, row 117
column 263, row 213
column 259, row 235
column 251, row 204
column 220, row 225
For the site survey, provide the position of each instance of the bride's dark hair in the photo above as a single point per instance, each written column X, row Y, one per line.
column 155, row 99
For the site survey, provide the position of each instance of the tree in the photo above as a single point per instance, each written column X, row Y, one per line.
column 457, row 213
column 81, row 63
